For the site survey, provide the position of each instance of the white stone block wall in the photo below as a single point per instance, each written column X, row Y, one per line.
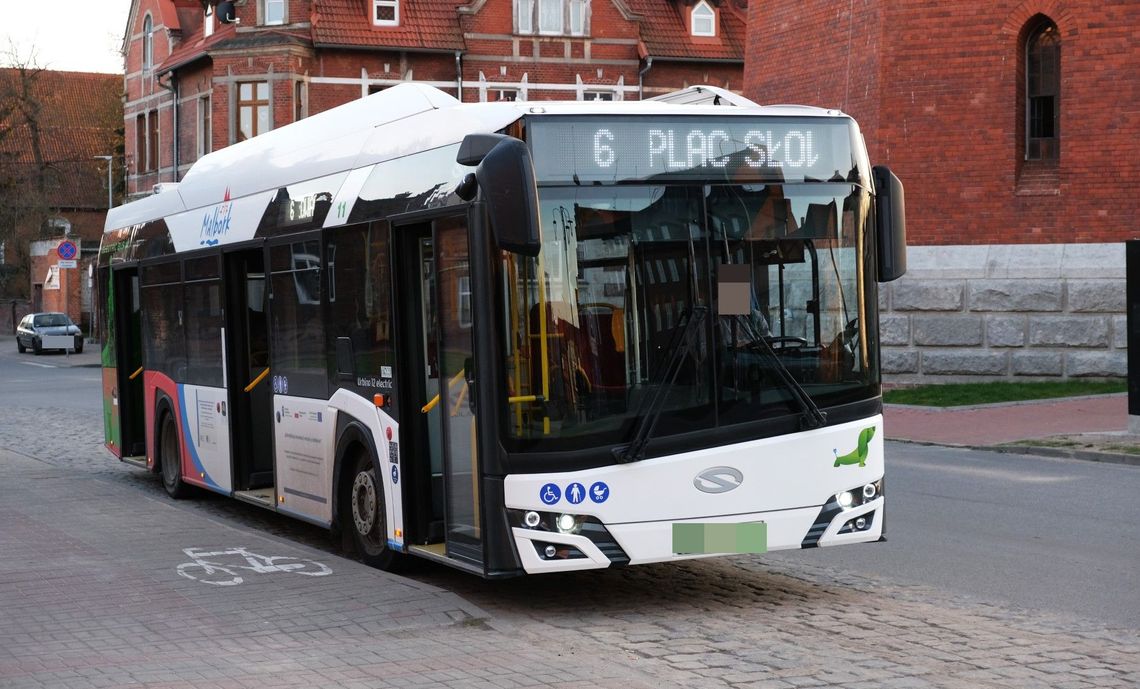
column 1037, row 311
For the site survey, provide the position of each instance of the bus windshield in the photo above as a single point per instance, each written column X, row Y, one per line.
column 594, row 320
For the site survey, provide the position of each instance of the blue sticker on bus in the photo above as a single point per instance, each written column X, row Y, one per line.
column 575, row 493
column 599, row 492
column 549, row 494
column 395, row 474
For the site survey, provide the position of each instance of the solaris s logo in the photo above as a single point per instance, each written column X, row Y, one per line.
column 718, row 480
column 216, row 223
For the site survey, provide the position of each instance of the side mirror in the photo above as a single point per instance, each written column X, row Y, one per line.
column 890, row 224
column 505, row 176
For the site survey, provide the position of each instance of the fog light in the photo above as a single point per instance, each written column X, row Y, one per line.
column 551, row 551
column 860, row 523
column 532, row 519
column 846, row 499
column 566, row 523
column 869, row 491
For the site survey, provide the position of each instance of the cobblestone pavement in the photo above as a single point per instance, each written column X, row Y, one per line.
column 77, row 620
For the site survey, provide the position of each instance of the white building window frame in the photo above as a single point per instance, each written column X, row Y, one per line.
column 205, row 126
column 702, row 20
column 208, row 23
column 269, row 9
column 394, row 5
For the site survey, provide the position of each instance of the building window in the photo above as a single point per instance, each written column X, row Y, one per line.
column 553, row 17
column 273, row 12
column 300, row 101
column 152, row 141
column 205, row 131
column 208, row 23
column 598, row 95
column 1042, row 92
column 524, row 16
column 505, row 94
column 148, row 43
column 464, row 300
column 253, row 109
column 703, row 20
column 140, row 144
column 386, row 12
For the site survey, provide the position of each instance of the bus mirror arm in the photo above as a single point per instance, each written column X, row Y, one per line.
column 505, row 181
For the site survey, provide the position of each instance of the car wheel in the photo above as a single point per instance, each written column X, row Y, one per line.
column 170, row 459
column 78, row 344
column 36, row 349
column 20, row 346
column 363, row 513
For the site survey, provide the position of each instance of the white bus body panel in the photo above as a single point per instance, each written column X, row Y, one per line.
column 303, row 447
column 379, row 423
column 207, row 431
column 789, row 477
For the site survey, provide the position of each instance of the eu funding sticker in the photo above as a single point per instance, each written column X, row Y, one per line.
column 67, row 264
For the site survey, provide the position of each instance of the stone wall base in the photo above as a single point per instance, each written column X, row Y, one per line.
column 1006, row 312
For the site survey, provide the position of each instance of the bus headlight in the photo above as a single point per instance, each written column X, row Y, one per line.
column 860, row 495
column 568, row 523
column 532, row 519
column 846, row 499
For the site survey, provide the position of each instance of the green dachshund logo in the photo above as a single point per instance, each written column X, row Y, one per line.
column 859, row 454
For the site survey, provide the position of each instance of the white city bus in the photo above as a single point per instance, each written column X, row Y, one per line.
column 516, row 337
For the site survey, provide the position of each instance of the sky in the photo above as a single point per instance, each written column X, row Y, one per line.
column 69, row 35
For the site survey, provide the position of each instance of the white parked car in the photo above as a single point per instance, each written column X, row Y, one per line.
column 35, row 327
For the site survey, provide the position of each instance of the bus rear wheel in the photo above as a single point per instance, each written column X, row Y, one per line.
column 363, row 515
column 170, row 459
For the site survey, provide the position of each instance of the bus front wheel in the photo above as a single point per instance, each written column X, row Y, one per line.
column 170, row 459
column 364, row 515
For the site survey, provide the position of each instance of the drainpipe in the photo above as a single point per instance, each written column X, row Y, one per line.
column 641, row 77
column 173, row 88
column 459, row 75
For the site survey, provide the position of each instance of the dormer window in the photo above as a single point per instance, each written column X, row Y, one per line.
column 274, row 12
column 703, row 20
column 386, row 12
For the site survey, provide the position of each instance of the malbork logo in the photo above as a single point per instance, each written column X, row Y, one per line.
column 216, row 223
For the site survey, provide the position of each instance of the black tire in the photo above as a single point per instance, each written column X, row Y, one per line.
column 20, row 346
column 170, row 459
column 363, row 519
column 78, row 345
column 36, row 349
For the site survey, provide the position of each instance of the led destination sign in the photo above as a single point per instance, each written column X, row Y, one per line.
column 592, row 150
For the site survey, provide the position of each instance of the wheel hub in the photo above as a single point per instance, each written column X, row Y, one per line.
column 364, row 502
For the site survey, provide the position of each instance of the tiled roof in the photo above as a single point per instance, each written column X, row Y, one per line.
column 665, row 31
column 79, row 116
column 195, row 47
column 424, row 25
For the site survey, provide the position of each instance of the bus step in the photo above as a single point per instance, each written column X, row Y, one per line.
column 262, row 497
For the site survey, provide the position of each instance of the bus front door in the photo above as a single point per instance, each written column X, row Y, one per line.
column 247, row 374
column 438, row 354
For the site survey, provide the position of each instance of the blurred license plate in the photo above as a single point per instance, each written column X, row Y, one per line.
column 692, row 538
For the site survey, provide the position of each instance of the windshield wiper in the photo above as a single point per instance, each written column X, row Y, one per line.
column 647, row 421
column 811, row 416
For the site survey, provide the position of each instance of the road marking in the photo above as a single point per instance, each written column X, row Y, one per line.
column 28, row 363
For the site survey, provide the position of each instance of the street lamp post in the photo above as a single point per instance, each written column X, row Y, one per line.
column 110, row 163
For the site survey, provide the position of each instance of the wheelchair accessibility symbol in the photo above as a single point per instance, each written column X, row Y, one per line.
column 550, row 494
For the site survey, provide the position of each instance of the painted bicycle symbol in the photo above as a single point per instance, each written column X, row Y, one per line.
column 226, row 572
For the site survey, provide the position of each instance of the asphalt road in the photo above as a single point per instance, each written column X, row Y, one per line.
column 1049, row 535
column 1054, row 535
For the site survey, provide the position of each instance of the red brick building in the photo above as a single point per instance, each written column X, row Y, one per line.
column 56, row 131
column 195, row 84
column 1009, row 121
column 1015, row 128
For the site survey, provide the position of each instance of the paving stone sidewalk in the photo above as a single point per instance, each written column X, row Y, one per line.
column 90, row 597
